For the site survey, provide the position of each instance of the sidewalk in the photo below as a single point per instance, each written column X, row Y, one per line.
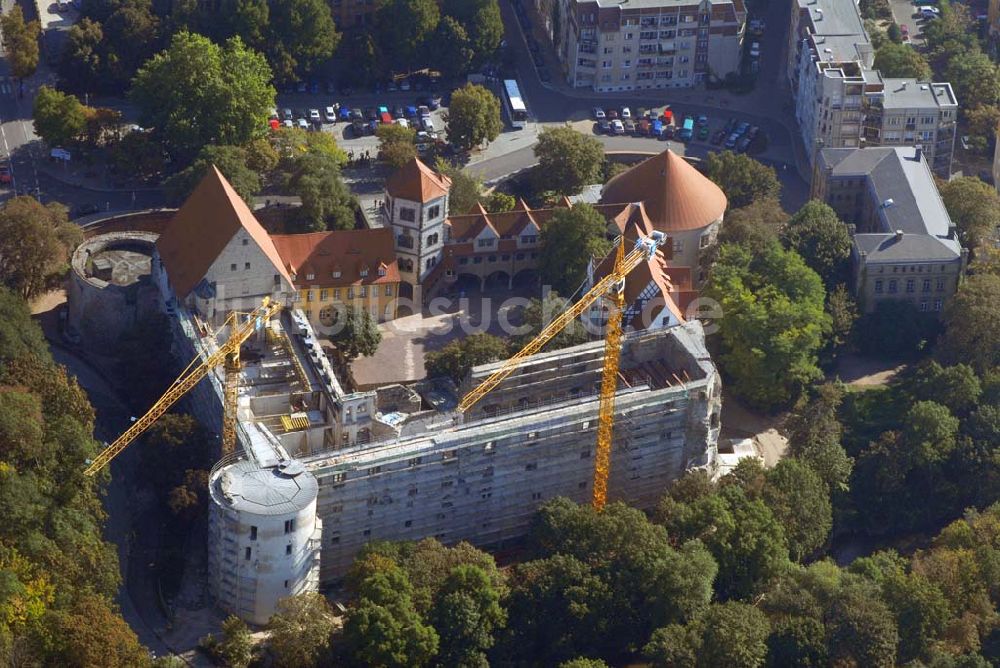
column 71, row 175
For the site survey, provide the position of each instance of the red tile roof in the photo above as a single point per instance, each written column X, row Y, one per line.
column 202, row 228
column 347, row 252
column 417, row 182
column 677, row 196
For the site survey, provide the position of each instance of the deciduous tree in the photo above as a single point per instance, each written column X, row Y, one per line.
column 396, row 144
column 972, row 324
column 327, row 203
column 300, row 630
column 455, row 359
column 569, row 241
column 403, row 27
column 466, row 189
column 230, row 160
column 820, row 238
column 359, row 335
column 743, row 179
column 975, row 78
column 901, row 61
column 467, row 614
column 473, row 117
column 59, row 118
column 568, row 160
column 301, row 35
column 35, row 242
column 236, row 646
column 800, row 500
column 974, row 207
column 20, row 41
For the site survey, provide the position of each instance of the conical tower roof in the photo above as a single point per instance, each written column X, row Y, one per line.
column 675, row 195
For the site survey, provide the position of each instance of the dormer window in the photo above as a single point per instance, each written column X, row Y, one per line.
column 336, row 274
column 310, row 277
column 381, row 271
column 364, row 272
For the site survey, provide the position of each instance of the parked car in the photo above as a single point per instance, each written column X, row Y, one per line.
column 703, row 133
column 302, row 124
column 273, row 113
column 742, row 128
column 617, row 127
column 5, row 176
column 643, row 128
column 330, row 115
column 404, row 85
column 743, row 144
column 603, row 125
column 730, row 126
column 629, row 126
column 391, row 87
column 86, row 210
column 669, row 130
column 371, row 114
column 402, row 122
column 302, row 87
column 398, row 112
column 731, row 141
column 599, row 114
column 288, row 123
column 929, row 13
column 427, row 123
column 626, row 113
column 702, row 121
column 753, row 132
column 657, row 129
column 612, row 114
column 286, row 114
column 718, row 137
column 314, row 116
column 424, row 111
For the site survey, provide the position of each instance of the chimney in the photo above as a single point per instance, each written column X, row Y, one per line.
column 918, row 152
column 899, row 235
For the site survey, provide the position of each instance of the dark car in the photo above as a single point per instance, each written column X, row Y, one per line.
column 643, row 128
column 612, row 114
column 604, row 125
column 371, row 113
column 5, row 176
column 86, row 210
column 718, row 137
column 703, row 133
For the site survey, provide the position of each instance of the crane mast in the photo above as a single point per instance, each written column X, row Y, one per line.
column 614, row 285
column 228, row 353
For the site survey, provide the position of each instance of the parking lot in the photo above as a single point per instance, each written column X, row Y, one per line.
column 905, row 13
column 664, row 123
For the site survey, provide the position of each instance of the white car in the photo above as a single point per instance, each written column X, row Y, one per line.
column 626, row 113
column 617, row 127
column 599, row 113
column 303, row 124
column 402, row 122
column 314, row 116
column 755, row 50
column 930, row 12
column 288, row 123
column 427, row 123
column 330, row 115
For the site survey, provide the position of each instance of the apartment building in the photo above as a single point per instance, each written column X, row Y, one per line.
column 841, row 101
column 904, row 244
column 618, row 45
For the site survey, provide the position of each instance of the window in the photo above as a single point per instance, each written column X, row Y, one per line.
column 253, row 533
column 937, row 304
column 535, row 496
column 286, row 584
column 407, row 214
column 477, row 260
column 939, row 285
column 606, row 64
column 364, row 272
column 324, row 295
column 926, row 285
column 339, row 477
column 704, row 240
column 408, row 523
column 246, row 242
column 366, row 532
column 878, row 286
column 678, row 245
column 246, row 554
column 364, row 291
column 485, row 243
column 529, row 238
column 892, row 286
column 288, row 549
column 909, row 285
column 309, row 295
column 289, row 526
column 336, row 293
column 381, row 271
column 388, row 291
column 923, row 305
column 430, row 262
column 374, row 470
column 246, row 266
column 434, row 211
column 432, row 239
column 232, row 267
column 404, row 241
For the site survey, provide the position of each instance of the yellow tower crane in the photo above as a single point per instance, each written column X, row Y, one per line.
column 612, row 285
column 228, row 354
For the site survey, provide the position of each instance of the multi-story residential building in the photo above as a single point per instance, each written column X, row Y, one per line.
column 842, row 102
column 614, row 45
column 332, row 270
column 904, row 244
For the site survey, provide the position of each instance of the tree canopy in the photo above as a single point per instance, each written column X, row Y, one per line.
column 300, row 628
column 230, row 160
column 358, row 334
column 974, row 207
column 568, row 160
column 821, row 239
column 59, row 118
column 569, row 241
column 743, row 179
column 196, row 93
column 456, row 358
column 473, row 118
column 36, row 241
column 972, row 324
column 20, row 41
column 901, row 61
column 773, row 323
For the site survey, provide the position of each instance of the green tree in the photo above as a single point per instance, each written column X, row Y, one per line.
column 59, row 118
column 797, row 641
column 35, row 243
column 301, row 35
column 20, row 41
column 230, row 160
column 974, row 207
column 820, row 238
column 300, row 630
column 481, row 20
column 901, row 61
column 974, row 77
column 800, row 500
column 236, row 646
column 773, row 323
column 929, row 432
column 396, row 144
column 499, row 202
column 132, row 34
column 465, row 191
column 384, row 628
column 403, row 28
column 743, row 179
column 734, row 634
column 359, row 335
column 456, row 358
column 569, row 241
column 466, row 615
column 972, row 324
column 921, row 612
column 568, row 160
column 473, row 117
column 452, row 48
column 674, row 646
column 843, row 311
column 755, row 225
column 861, row 630
column 814, row 434
column 895, row 329
column 90, row 634
column 197, row 93
column 83, row 59
column 327, row 203
column 955, row 387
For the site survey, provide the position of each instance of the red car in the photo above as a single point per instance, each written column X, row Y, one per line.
column 5, row 176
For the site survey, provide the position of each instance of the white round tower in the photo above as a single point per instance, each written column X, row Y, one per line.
column 263, row 535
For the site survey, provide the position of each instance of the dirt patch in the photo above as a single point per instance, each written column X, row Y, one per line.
column 859, row 371
column 738, row 421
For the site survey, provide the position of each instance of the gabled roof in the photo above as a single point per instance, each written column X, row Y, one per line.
column 348, row 252
column 417, row 182
column 676, row 196
column 202, row 228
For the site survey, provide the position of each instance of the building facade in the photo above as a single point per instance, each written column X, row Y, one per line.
column 417, row 208
column 616, row 45
column 333, row 270
column 841, row 101
column 904, row 244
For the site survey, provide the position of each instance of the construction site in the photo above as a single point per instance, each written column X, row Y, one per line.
column 310, row 471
